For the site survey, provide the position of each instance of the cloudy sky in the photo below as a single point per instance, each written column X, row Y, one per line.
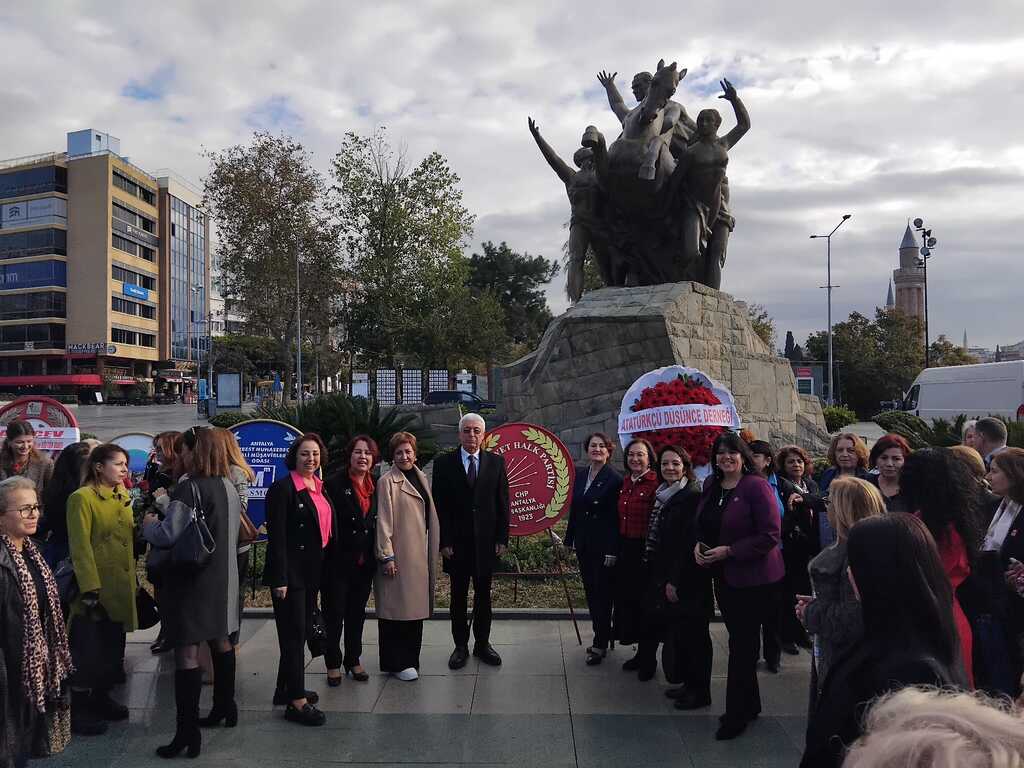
column 886, row 110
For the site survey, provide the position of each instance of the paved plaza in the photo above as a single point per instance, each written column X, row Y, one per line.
column 107, row 421
column 543, row 707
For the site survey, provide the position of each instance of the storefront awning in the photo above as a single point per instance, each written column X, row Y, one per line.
column 75, row 379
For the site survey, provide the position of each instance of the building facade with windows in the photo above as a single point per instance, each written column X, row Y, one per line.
column 185, row 281
column 104, row 276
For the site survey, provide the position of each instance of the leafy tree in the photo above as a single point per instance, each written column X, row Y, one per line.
column 944, row 352
column 248, row 355
column 403, row 232
column 876, row 359
column 793, row 350
column 763, row 324
column 517, row 282
column 267, row 202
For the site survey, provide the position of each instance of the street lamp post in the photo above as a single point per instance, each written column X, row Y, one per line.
column 829, row 287
column 927, row 243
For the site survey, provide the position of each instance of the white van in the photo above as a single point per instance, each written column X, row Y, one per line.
column 995, row 389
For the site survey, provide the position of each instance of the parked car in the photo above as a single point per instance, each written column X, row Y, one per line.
column 986, row 389
column 467, row 400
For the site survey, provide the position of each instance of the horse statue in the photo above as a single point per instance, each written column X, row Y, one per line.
column 636, row 167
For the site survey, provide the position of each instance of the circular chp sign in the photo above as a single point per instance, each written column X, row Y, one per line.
column 680, row 406
column 540, row 475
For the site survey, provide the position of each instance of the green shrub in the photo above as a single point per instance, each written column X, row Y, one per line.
column 229, row 419
column 837, row 417
column 88, row 436
column 941, row 433
column 336, row 417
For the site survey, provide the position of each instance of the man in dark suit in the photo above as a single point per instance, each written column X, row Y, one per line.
column 470, row 489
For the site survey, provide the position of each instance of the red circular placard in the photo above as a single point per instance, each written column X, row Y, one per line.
column 540, row 475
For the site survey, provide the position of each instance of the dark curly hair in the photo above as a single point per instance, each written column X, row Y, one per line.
column 731, row 442
column 940, row 487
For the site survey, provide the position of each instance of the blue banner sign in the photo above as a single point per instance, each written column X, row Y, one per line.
column 136, row 292
column 264, row 444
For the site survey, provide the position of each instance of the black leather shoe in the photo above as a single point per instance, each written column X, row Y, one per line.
column 693, row 700
column 676, row 693
column 459, row 657
column 360, row 677
column 107, row 708
column 790, row 648
column 281, row 698
column 334, row 682
column 308, row 715
column 487, row 654
column 632, row 665
column 730, row 729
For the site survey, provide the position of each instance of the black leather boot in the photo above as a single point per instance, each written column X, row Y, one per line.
column 188, row 683
column 224, row 706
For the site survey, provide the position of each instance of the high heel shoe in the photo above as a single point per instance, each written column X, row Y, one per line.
column 361, row 677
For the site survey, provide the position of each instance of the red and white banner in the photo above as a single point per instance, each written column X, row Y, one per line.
column 676, row 417
column 55, row 426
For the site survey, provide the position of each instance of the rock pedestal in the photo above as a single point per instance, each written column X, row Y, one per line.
column 574, row 381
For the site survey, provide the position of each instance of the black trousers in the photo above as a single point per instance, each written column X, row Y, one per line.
column 481, row 607
column 771, row 638
column 599, row 586
column 292, row 615
column 400, row 643
column 97, row 650
column 692, row 637
column 343, row 596
column 630, row 582
column 745, row 610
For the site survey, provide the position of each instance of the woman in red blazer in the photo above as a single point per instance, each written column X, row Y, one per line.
column 738, row 534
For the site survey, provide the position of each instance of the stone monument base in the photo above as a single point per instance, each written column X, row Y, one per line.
column 573, row 383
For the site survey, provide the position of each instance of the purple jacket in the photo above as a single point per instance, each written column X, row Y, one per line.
column 751, row 527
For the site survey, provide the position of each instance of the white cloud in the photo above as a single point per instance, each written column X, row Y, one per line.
column 885, row 110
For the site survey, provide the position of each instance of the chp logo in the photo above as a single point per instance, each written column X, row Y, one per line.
column 540, row 476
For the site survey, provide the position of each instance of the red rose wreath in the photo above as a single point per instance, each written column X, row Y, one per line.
column 683, row 390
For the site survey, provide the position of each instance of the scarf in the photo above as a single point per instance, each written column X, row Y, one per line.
column 46, row 659
column 661, row 498
column 363, row 492
column 1000, row 525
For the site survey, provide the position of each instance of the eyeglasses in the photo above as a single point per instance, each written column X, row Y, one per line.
column 27, row 511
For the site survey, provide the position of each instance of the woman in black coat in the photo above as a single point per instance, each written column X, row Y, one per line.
column 678, row 598
column 300, row 524
column 910, row 637
column 593, row 531
column 199, row 605
column 350, row 561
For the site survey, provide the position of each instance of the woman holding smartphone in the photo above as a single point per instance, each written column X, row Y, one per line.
column 739, row 529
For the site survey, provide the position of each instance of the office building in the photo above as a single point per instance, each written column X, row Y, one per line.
column 104, row 277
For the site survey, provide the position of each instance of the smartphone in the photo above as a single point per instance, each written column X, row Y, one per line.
column 702, row 547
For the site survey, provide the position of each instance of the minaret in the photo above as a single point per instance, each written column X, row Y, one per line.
column 909, row 278
column 965, row 339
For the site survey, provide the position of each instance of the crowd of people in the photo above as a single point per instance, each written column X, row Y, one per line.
column 902, row 572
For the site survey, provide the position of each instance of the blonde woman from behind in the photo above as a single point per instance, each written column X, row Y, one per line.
column 931, row 728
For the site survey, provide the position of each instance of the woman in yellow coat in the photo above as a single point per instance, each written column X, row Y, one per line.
column 101, row 538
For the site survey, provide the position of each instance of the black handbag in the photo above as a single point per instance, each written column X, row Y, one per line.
column 190, row 552
column 67, row 584
column 146, row 609
column 316, row 633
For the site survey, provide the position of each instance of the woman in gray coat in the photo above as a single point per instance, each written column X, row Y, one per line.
column 201, row 606
column 833, row 614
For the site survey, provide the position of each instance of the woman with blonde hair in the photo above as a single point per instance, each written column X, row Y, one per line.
column 847, row 457
column 924, row 727
column 833, row 614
